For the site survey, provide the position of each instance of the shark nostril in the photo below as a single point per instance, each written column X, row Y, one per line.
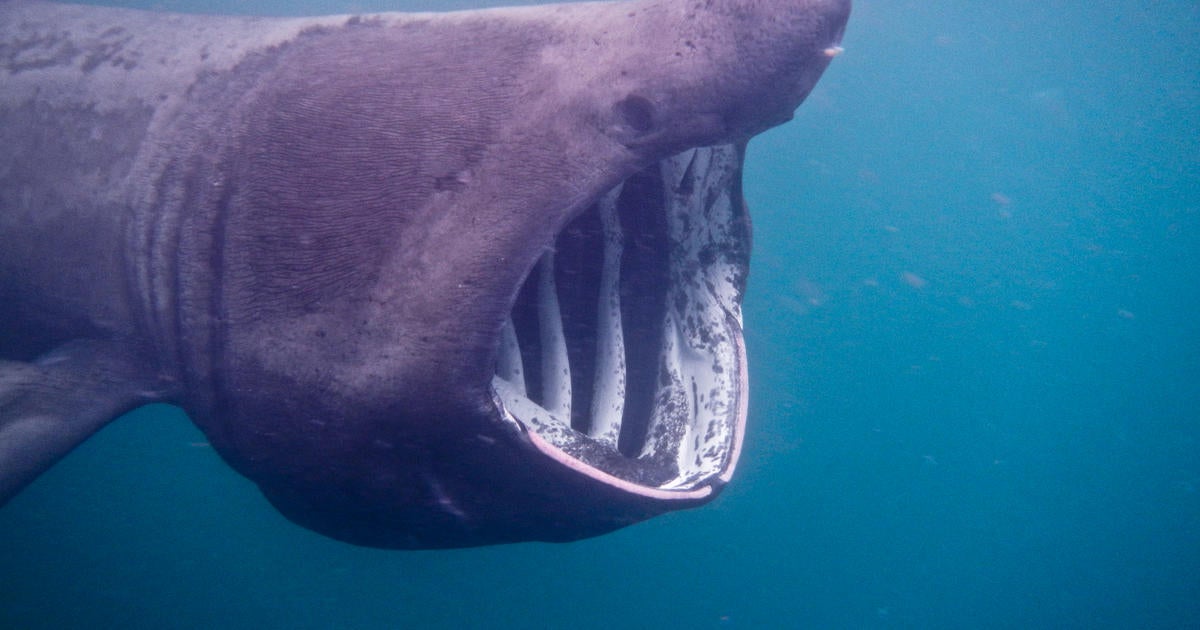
column 637, row 112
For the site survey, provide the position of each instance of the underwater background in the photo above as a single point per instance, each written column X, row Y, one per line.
column 975, row 364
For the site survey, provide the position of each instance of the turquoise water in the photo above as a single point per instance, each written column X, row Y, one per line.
column 975, row 364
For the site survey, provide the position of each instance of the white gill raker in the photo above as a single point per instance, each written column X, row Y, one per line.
column 556, row 368
column 703, row 311
column 508, row 364
column 519, row 406
column 676, row 193
column 683, row 363
column 666, row 431
column 694, row 322
column 608, row 397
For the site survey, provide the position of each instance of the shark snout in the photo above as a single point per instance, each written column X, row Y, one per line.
column 727, row 70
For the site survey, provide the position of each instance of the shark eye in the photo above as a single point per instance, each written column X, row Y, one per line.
column 637, row 112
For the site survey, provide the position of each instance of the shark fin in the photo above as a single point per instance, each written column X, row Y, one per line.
column 50, row 405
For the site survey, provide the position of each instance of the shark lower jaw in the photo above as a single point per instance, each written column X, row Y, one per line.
column 622, row 358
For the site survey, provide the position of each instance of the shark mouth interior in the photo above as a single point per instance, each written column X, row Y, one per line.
column 623, row 355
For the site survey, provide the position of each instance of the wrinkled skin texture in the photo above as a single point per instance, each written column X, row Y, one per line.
column 307, row 233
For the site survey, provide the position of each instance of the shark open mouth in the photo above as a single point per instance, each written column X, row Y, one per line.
column 623, row 356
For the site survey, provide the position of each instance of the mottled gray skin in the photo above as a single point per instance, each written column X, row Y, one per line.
column 307, row 232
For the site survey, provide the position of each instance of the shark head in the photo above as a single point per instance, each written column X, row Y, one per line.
column 479, row 274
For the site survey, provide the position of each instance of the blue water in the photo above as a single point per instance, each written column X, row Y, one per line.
column 975, row 381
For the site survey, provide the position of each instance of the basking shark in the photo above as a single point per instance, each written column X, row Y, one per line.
column 429, row 280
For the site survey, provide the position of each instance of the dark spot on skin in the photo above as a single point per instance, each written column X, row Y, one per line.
column 359, row 20
column 40, row 51
column 448, row 182
column 637, row 112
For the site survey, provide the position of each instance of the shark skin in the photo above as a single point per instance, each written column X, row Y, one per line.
column 429, row 280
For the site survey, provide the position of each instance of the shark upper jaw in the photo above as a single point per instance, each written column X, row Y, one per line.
column 622, row 358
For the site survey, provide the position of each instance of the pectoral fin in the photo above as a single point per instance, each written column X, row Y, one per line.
column 49, row 406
